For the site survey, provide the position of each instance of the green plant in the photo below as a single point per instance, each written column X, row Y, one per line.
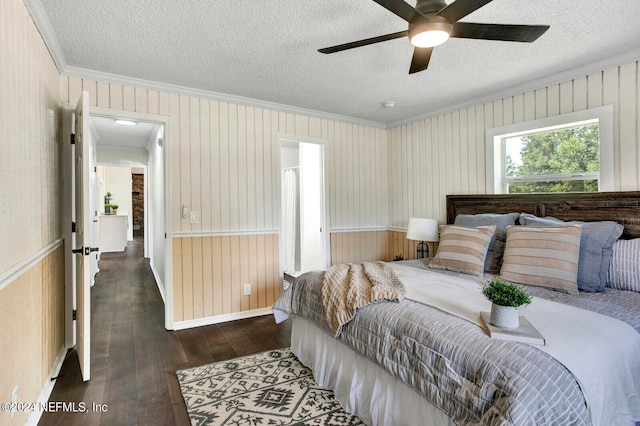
column 398, row 257
column 108, row 194
column 504, row 293
column 114, row 206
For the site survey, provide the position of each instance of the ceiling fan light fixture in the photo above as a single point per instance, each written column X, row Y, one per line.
column 429, row 34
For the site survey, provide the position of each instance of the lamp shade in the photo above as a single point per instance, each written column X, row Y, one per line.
column 421, row 229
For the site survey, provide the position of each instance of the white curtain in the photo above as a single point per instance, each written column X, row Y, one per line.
column 289, row 218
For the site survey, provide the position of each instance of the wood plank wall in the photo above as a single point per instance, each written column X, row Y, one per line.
column 29, row 149
column 225, row 159
column 445, row 154
column 225, row 166
column 213, row 271
column 31, row 277
column 32, row 314
column 399, row 245
column 357, row 247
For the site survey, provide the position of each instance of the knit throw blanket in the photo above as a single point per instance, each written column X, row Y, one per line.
column 348, row 287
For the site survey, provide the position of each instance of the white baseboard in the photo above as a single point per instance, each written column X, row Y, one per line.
column 159, row 282
column 217, row 319
column 45, row 393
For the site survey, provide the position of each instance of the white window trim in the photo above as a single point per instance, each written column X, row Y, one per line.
column 495, row 146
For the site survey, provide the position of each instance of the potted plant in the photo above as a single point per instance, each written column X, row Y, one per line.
column 114, row 207
column 506, row 298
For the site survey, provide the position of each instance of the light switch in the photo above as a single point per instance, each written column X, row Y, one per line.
column 194, row 217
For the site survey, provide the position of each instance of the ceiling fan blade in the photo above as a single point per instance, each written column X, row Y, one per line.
column 365, row 42
column 401, row 9
column 461, row 8
column 420, row 60
column 522, row 33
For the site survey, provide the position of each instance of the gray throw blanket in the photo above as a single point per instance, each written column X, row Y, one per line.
column 347, row 287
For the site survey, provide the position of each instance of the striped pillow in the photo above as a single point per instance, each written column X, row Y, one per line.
column 624, row 270
column 463, row 249
column 545, row 257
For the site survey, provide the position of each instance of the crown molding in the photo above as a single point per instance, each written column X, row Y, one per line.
column 207, row 94
column 48, row 35
column 43, row 25
column 46, row 31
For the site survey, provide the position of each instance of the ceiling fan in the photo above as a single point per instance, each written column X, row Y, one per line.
column 432, row 22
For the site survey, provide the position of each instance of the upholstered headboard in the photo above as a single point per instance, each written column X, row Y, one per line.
column 621, row 207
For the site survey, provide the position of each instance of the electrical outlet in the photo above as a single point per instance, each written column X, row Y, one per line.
column 247, row 289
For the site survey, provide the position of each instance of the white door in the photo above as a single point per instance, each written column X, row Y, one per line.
column 83, row 248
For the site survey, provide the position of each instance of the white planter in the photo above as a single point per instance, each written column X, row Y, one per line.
column 504, row 316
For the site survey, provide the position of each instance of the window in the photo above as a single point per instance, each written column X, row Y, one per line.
column 566, row 153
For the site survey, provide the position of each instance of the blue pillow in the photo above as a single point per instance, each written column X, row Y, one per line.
column 596, row 247
column 496, row 246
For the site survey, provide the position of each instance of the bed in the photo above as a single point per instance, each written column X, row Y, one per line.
column 428, row 361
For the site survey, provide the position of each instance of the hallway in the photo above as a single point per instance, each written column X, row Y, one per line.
column 133, row 357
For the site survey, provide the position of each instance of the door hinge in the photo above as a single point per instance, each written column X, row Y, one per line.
column 73, row 227
column 75, row 314
column 73, row 138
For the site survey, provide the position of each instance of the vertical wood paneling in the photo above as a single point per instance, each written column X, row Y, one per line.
column 102, row 95
column 225, row 219
column 32, row 314
column 187, row 279
column 580, row 94
column 242, row 173
column 227, row 276
column 198, row 264
column 358, row 247
column 178, row 281
column 205, row 166
column 208, row 265
column 217, row 280
column 541, row 96
column 174, row 148
column 224, row 164
column 456, row 141
column 628, row 127
column 610, row 95
column 193, row 185
column 216, row 166
column 566, row 97
column 141, row 100
column 115, row 96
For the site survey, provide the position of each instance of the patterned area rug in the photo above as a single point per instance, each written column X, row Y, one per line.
column 268, row 388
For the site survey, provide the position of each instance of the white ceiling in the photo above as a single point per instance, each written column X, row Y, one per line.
column 108, row 133
column 268, row 50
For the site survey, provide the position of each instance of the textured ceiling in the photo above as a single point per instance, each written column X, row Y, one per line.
column 268, row 50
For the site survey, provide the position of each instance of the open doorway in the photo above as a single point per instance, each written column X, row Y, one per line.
column 304, row 243
column 130, row 187
column 88, row 147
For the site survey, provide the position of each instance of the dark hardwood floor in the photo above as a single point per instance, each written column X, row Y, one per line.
column 134, row 359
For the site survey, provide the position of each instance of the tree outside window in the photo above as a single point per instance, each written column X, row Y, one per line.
column 564, row 160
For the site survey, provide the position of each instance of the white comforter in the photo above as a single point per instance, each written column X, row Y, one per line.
column 601, row 352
